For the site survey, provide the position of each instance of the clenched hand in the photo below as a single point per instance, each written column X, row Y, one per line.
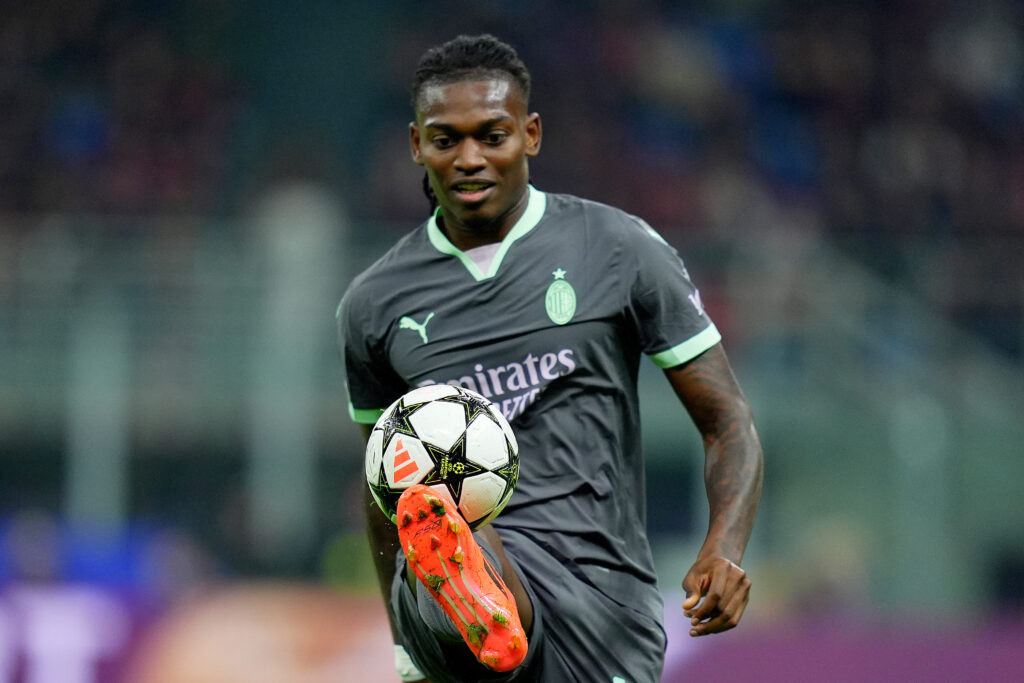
column 717, row 591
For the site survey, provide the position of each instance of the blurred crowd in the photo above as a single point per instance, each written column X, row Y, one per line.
column 110, row 107
column 897, row 129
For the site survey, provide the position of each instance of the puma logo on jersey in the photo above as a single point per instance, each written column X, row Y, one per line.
column 407, row 323
column 697, row 303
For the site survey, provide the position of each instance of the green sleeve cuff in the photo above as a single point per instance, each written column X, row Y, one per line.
column 364, row 416
column 689, row 349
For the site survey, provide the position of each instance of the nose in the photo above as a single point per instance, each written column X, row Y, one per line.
column 469, row 158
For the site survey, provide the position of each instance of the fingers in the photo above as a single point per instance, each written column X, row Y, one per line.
column 695, row 589
column 725, row 592
column 729, row 616
column 722, row 583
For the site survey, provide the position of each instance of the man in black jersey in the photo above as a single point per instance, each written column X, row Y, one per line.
column 545, row 304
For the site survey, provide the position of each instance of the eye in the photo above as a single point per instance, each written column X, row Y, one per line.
column 495, row 137
column 442, row 141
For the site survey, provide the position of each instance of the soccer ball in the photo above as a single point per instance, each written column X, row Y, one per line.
column 449, row 438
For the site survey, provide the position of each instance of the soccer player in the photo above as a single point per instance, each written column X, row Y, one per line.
column 544, row 303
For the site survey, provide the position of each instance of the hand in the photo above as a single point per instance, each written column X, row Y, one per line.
column 717, row 591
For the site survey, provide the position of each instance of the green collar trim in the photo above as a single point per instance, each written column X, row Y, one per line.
column 535, row 207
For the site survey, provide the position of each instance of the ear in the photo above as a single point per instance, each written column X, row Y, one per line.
column 533, row 134
column 414, row 143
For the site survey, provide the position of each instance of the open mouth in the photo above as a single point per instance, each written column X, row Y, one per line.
column 471, row 191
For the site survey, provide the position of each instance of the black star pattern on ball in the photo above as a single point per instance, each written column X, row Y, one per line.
column 451, row 467
column 473, row 405
column 398, row 421
column 510, row 472
column 480, row 408
column 386, row 496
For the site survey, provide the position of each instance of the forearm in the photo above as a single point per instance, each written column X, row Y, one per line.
column 733, row 460
column 717, row 588
column 733, row 472
column 384, row 544
column 383, row 538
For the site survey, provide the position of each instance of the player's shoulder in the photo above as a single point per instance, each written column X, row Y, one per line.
column 598, row 216
column 399, row 257
column 379, row 277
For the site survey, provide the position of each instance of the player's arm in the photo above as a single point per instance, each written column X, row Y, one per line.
column 384, row 544
column 717, row 589
column 383, row 537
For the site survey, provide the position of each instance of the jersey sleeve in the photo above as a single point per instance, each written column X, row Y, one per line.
column 371, row 382
column 671, row 321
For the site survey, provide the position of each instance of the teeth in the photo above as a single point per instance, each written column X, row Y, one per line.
column 470, row 187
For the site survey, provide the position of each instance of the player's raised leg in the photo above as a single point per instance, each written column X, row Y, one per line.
column 448, row 561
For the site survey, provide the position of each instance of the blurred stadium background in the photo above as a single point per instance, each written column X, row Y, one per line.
column 186, row 188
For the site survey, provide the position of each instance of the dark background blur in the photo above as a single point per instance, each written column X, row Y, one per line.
column 187, row 187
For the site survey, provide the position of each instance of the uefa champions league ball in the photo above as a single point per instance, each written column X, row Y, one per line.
column 449, row 438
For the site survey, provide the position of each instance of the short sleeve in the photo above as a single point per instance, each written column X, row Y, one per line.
column 672, row 324
column 371, row 382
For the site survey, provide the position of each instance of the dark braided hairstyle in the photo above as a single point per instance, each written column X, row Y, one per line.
column 466, row 58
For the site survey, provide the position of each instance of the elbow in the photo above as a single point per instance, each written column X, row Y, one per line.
column 733, row 423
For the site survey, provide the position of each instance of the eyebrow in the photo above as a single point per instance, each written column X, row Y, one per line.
column 448, row 128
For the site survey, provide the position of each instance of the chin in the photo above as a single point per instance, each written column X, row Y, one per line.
column 472, row 217
column 478, row 219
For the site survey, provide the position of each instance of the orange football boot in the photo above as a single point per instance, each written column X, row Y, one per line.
column 445, row 557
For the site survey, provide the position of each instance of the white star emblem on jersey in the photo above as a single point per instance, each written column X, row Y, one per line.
column 559, row 274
